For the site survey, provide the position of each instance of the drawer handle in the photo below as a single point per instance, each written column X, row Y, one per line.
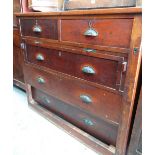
column 89, row 50
column 37, row 29
column 22, row 45
column 40, row 57
column 41, row 80
column 46, row 100
column 88, row 70
column 91, row 33
column 37, row 42
column 86, row 99
column 88, row 122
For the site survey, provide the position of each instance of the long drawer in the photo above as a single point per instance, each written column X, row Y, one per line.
column 101, row 103
column 106, row 70
column 92, row 125
column 103, row 32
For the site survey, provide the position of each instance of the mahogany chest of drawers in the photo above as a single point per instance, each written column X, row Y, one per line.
column 81, row 70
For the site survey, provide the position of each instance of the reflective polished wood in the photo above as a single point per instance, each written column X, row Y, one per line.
column 81, row 72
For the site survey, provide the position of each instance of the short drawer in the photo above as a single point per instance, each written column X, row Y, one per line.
column 103, row 32
column 90, row 124
column 42, row 28
column 106, row 70
column 101, row 103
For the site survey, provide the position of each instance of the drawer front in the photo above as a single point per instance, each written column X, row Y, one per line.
column 104, row 32
column 90, row 124
column 42, row 28
column 99, row 102
column 103, row 71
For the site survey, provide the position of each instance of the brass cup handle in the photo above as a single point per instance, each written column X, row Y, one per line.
column 40, row 57
column 89, row 50
column 86, row 99
column 88, row 122
column 46, row 100
column 91, row 33
column 88, row 70
column 22, row 45
column 40, row 80
column 37, row 42
column 37, row 29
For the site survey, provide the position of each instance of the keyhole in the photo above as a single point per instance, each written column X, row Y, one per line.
column 60, row 54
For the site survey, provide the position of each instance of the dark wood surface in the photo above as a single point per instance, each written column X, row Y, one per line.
column 18, row 75
column 108, row 72
column 134, row 63
column 69, row 90
column 111, row 32
column 100, row 129
column 48, row 26
column 135, row 146
column 63, row 83
column 72, row 130
column 76, row 48
column 18, row 64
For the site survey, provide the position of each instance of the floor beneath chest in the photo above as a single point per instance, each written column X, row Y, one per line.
column 34, row 135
